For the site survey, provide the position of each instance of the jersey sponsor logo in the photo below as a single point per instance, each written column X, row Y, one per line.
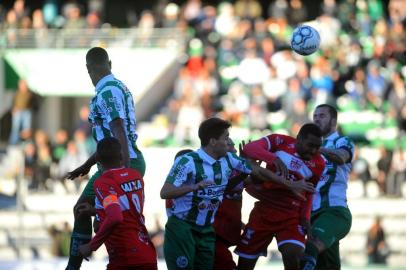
column 211, row 192
column 182, row 261
column 208, row 206
column 131, row 186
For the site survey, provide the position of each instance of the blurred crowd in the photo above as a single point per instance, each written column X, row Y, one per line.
column 239, row 66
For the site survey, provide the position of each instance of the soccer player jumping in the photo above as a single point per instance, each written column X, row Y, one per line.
column 331, row 219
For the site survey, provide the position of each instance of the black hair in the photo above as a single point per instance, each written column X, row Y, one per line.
column 109, row 151
column 331, row 109
column 308, row 129
column 183, row 152
column 212, row 128
column 97, row 56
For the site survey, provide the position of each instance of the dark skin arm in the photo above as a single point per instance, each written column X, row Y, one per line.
column 117, row 127
column 83, row 169
column 337, row 156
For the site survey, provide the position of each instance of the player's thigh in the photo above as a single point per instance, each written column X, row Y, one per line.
column 331, row 225
column 205, row 248
column 179, row 244
column 330, row 258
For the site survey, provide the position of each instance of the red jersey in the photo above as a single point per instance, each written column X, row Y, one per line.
column 227, row 223
column 278, row 196
column 128, row 243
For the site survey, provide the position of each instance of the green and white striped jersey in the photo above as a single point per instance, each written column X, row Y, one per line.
column 200, row 207
column 113, row 100
column 331, row 190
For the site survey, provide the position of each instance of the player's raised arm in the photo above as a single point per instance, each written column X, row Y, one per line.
column 82, row 169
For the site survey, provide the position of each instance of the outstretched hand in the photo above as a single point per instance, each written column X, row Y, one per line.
column 203, row 184
column 85, row 251
column 80, row 171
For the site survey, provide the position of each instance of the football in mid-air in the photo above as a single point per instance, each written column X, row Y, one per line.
column 305, row 40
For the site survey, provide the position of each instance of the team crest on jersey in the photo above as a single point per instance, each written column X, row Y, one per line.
column 295, row 164
column 182, row 261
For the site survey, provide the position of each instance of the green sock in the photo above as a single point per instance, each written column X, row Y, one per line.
column 309, row 259
column 82, row 234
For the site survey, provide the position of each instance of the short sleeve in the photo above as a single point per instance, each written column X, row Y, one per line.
column 346, row 144
column 179, row 172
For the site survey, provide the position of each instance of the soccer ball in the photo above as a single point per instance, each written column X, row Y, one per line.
column 305, row 40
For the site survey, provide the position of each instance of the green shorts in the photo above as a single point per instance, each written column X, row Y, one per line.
column 188, row 246
column 330, row 225
column 137, row 164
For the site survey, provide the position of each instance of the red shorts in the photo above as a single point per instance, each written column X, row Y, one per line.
column 223, row 259
column 264, row 224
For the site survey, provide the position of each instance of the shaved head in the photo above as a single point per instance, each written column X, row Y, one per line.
column 97, row 57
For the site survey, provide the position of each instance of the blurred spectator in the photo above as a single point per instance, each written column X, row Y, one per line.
column 384, row 167
column 59, row 145
column 248, row 9
column 44, row 159
column 297, row 12
column 83, row 122
column 397, row 173
column 375, row 85
column 377, row 248
column 22, row 110
column 361, row 170
column 157, row 238
column 70, row 161
column 60, row 239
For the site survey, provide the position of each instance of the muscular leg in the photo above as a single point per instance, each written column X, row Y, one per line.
column 291, row 254
column 81, row 234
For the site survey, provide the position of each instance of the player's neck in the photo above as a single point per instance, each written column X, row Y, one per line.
column 211, row 152
column 329, row 133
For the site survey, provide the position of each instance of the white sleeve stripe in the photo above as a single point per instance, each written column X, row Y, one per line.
column 268, row 142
